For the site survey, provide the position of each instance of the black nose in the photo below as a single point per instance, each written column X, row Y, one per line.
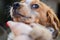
column 16, row 5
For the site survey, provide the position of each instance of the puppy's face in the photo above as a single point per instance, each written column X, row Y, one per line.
column 28, row 11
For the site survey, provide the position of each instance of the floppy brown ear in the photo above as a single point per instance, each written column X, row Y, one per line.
column 53, row 19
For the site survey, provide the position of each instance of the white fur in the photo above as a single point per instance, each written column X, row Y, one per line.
column 23, row 37
column 28, row 1
column 22, row 31
column 19, row 27
column 11, row 12
column 41, row 32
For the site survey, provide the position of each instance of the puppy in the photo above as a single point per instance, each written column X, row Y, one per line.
column 29, row 32
column 35, row 11
column 29, row 11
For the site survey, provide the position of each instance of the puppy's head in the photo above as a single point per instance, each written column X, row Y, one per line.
column 30, row 11
column 25, row 11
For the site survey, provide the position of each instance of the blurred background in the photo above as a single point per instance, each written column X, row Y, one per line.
column 4, row 14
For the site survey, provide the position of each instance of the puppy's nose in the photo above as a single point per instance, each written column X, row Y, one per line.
column 16, row 5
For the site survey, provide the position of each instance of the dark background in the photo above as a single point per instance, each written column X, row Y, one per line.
column 4, row 11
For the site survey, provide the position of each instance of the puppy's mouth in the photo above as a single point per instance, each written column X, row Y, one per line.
column 18, row 14
column 21, row 17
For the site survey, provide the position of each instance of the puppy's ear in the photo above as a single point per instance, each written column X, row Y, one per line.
column 54, row 21
column 52, row 18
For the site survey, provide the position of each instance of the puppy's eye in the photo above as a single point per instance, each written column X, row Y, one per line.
column 34, row 6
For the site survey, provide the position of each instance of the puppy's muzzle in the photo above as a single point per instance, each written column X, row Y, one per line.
column 16, row 13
